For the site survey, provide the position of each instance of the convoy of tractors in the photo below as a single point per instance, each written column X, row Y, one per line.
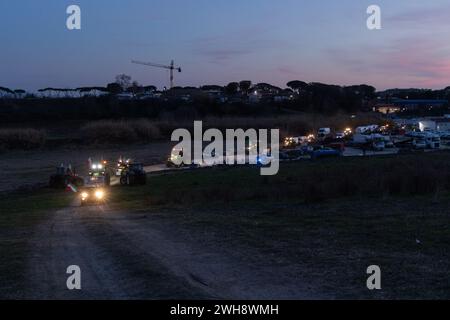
column 93, row 187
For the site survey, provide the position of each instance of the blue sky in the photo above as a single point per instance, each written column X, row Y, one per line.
column 218, row 41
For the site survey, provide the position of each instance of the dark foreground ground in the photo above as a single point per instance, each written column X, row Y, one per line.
column 218, row 233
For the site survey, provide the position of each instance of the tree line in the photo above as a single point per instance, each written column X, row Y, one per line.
column 299, row 95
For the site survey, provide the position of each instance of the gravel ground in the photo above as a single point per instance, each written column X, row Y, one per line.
column 144, row 256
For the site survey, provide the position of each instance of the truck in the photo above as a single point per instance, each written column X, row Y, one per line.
column 372, row 141
column 432, row 140
column 323, row 133
column 293, row 142
column 366, row 129
column 426, row 140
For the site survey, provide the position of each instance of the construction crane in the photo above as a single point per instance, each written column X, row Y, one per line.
column 171, row 67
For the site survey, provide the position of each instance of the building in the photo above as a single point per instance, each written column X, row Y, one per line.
column 386, row 108
column 415, row 104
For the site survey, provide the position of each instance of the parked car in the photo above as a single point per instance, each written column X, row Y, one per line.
column 419, row 144
column 378, row 145
column 339, row 146
column 340, row 135
column 291, row 155
column 325, row 152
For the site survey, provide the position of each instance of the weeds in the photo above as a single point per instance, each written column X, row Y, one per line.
column 24, row 139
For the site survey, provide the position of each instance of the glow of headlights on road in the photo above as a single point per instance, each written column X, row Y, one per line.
column 99, row 194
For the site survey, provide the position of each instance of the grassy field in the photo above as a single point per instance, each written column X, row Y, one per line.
column 303, row 182
column 329, row 219
column 388, row 211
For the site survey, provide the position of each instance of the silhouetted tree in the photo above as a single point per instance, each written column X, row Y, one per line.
column 297, row 85
column 232, row 88
column 245, row 86
column 150, row 88
column 211, row 87
column 124, row 81
column 7, row 90
column 266, row 87
column 114, row 88
column 135, row 88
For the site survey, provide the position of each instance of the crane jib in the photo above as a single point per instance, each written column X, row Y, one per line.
column 171, row 67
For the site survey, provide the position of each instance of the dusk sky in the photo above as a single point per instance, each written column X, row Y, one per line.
column 219, row 41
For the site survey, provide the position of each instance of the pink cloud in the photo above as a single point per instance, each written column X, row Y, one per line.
column 414, row 61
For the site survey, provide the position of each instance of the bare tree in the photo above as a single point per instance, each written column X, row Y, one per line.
column 124, row 81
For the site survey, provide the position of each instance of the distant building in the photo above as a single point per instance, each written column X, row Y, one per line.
column 186, row 94
column 125, row 96
column 408, row 105
column 386, row 108
column 396, row 105
column 216, row 95
column 255, row 97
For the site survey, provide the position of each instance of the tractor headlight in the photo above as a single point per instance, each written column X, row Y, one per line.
column 84, row 195
column 99, row 194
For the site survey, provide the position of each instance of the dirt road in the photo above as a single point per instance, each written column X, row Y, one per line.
column 145, row 256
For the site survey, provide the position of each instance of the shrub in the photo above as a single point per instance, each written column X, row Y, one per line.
column 111, row 131
column 23, row 139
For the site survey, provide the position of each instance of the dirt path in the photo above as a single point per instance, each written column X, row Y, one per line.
column 141, row 256
column 111, row 268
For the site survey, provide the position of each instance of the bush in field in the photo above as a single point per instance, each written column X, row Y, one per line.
column 110, row 131
column 23, row 139
column 146, row 130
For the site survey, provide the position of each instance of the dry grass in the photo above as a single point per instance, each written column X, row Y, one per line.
column 145, row 130
column 129, row 131
column 24, row 139
column 296, row 124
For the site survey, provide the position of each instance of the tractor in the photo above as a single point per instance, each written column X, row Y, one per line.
column 122, row 164
column 99, row 173
column 91, row 194
column 133, row 174
column 65, row 176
